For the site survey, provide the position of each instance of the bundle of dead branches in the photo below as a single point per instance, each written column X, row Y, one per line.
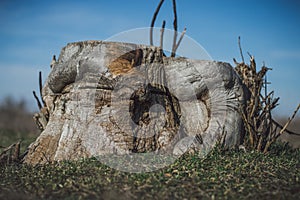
column 261, row 129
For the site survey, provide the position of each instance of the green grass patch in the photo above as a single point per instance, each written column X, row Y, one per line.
column 220, row 175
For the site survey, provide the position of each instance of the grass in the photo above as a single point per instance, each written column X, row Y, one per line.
column 220, row 175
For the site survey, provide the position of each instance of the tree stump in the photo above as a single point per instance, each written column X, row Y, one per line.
column 107, row 98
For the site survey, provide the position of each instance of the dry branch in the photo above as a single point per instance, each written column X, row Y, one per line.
column 240, row 47
column 153, row 20
column 37, row 100
column 10, row 154
column 175, row 44
column 180, row 39
column 175, row 29
column 289, row 120
column 286, row 130
column 276, row 135
column 162, row 30
column 41, row 87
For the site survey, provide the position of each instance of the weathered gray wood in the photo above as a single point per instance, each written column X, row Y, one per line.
column 105, row 98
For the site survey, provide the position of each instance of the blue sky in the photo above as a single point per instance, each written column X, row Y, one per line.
column 32, row 31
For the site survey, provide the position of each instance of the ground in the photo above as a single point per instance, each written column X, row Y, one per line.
column 231, row 174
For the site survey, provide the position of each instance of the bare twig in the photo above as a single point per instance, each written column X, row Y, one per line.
column 162, row 30
column 240, row 47
column 252, row 63
column 289, row 120
column 175, row 29
column 41, row 87
column 249, row 54
column 11, row 153
column 153, row 21
column 286, row 130
column 8, row 148
column 235, row 62
column 180, row 39
column 248, row 127
column 271, row 140
column 37, row 100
